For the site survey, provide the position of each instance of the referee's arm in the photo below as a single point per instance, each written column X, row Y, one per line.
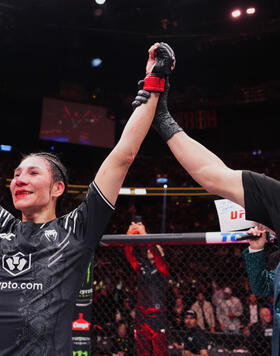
column 206, row 168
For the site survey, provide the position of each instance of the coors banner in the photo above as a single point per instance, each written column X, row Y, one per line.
column 81, row 325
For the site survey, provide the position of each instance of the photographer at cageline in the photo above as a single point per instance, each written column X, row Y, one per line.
column 152, row 271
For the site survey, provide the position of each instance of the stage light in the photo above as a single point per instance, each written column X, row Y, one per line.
column 96, row 62
column 162, row 179
column 251, row 11
column 236, row 13
column 6, row 148
column 100, row 2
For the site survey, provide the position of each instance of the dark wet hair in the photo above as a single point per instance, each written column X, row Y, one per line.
column 59, row 171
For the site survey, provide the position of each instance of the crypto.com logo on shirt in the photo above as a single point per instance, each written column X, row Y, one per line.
column 16, row 264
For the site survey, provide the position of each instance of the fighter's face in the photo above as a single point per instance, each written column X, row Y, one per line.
column 32, row 185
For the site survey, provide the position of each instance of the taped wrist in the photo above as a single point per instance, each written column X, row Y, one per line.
column 154, row 83
column 166, row 126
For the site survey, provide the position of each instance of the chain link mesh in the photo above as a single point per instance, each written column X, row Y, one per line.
column 194, row 272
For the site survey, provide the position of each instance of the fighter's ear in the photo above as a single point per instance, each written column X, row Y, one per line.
column 58, row 189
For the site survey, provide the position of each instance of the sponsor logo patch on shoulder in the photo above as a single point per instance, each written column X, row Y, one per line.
column 7, row 236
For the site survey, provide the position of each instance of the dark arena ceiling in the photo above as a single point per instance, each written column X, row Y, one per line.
column 51, row 36
column 45, row 45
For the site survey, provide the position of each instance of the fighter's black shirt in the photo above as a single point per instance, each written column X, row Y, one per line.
column 42, row 267
column 262, row 199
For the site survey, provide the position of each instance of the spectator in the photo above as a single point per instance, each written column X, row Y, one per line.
column 260, row 334
column 122, row 341
column 194, row 341
column 126, row 311
column 270, row 304
column 177, row 314
column 228, row 312
column 218, row 293
column 104, row 309
column 150, row 320
column 250, row 312
column 205, row 313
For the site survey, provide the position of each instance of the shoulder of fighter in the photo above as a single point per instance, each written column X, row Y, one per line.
column 68, row 221
column 7, row 220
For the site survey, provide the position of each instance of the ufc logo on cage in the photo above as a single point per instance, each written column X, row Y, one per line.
column 16, row 264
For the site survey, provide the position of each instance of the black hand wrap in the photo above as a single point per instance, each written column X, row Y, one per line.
column 163, row 122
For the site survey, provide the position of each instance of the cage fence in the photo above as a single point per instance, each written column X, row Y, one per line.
column 144, row 287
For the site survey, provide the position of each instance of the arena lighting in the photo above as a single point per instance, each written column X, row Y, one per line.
column 100, row 2
column 251, row 10
column 140, row 191
column 162, row 180
column 125, row 191
column 96, row 62
column 133, row 191
column 236, row 13
column 6, row 148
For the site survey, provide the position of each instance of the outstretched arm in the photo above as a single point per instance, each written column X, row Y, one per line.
column 162, row 266
column 261, row 280
column 135, row 228
column 113, row 170
column 132, row 259
column 206, row 168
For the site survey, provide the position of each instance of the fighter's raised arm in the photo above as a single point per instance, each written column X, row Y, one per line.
column 113, row 170
column 204, row 166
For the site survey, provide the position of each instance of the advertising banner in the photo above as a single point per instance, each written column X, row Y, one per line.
column 81, row 325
